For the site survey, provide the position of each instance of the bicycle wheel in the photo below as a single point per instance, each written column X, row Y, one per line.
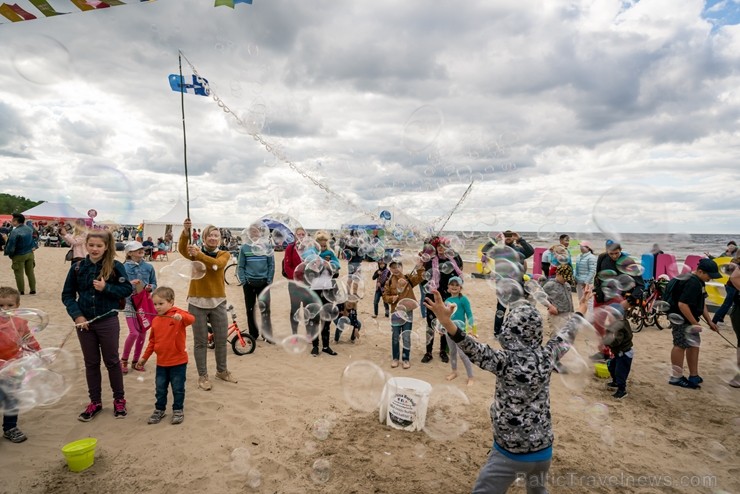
column 243, row 348
column 634, row 316
column 661, row 320
column 230, row 275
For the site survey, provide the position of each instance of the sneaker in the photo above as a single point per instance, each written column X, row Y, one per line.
column 226, row 376
column 156, row 417
column 621, row 393
column 682, row 382
column 90, row 412
column 406, row 364
column 696, row 379
column 394, row 364
column 315, row 351
column 426, row 358
column 14, row 435
column 204, row 383
column 386, row 315
column 597, row 357
column 124, row 366
column 177, row 417
column 611, row 385
column 119, row 408
column 374, row 316
column 735, row 383
column 444, row 357
column 328, row 350
column 32, row 292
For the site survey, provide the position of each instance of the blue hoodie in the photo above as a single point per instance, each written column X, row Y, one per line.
column 255, row 267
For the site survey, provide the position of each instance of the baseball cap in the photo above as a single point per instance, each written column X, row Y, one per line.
column 612, row 245
column 456, row 279
column 709, row 267
column 586, row 244
column 132, row 246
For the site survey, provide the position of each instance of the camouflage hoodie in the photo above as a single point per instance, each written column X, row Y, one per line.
column 520, row 411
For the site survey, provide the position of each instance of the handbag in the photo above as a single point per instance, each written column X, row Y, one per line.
column 69, row 255
column 144, row 307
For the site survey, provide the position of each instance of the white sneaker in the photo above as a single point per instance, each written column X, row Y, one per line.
column 226, row 376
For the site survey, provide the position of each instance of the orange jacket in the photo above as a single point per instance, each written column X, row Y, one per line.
column 167, row 338
column 14, row 334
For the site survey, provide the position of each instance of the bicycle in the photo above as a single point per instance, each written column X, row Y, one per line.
column 231, row 271
column 647, row 311
column 242, row 343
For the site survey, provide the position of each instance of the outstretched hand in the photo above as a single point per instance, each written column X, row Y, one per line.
column 588, row 292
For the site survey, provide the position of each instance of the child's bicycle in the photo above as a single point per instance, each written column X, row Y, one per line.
column 646, row 312
column 242, row 342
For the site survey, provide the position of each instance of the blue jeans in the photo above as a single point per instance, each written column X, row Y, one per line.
column 174, row 376
column 619, row 368
column 725, row 307
column 403, row 331
column 376, row 303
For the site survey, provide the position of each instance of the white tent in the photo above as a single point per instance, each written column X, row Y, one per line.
column 53, row 211
column 170, row 221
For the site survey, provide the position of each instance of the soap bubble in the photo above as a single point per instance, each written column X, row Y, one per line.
column 328, row 312
column 362, row 385
column 508, row 291
column 35, row 320
column 322, row 428
column 41, row 59
column 240, row 461
column 573, row 370
column 597, row 415
column 321, row 471
column 717, row 451
column 254, row 478
column 675, row 319
column 662, row 306
column 729, row 371
column 422, row 128
column 443, row 420
column 276, row 299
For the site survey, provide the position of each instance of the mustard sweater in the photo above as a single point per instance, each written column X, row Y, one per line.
column 212, row 285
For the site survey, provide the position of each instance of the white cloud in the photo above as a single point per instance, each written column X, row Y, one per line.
column 567, row 97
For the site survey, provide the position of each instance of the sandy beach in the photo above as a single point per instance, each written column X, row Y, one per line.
column 659, row 439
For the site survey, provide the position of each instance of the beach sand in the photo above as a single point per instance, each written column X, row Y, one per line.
column 661, row 434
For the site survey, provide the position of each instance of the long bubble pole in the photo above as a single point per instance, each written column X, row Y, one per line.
column 184, row 139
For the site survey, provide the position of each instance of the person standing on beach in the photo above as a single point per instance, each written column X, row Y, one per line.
column 255, row 270
column 207, row 301
column 76, row 240
column 442, row 267
column 688, row 307
column 522, row 251
column 585, row 268
column 291, row 260
column 560, row 254
column 92, row 295
column 19, row 248
column 735, row 314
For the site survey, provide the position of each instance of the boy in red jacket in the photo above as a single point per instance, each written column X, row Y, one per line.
column 167, row 340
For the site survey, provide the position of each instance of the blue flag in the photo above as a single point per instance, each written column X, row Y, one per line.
column 197, row 87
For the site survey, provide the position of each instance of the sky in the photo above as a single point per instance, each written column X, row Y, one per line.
column 566, row 115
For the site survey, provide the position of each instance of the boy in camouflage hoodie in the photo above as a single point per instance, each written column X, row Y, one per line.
column 520, row 412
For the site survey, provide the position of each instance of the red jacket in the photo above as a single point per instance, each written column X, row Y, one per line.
column 291, row 260
column 14, row 332
column 167, row 338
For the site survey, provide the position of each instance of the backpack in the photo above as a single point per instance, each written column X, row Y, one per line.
column 672, row 293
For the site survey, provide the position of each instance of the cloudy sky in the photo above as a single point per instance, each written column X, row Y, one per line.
column 567, row 115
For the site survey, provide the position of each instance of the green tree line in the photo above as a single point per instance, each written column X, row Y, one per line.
column 15, row 204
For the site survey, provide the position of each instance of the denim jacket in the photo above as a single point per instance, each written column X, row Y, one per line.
column 81, row 298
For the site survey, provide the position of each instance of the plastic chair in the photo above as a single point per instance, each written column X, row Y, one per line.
column 160, row 255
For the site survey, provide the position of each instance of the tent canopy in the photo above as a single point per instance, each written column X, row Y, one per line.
column 53, row 211
column 171, row 220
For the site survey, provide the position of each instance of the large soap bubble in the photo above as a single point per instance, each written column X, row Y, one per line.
column 278, row 304
column 362, row 385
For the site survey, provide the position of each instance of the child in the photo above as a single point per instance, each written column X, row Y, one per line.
column 14, row 335
column 380, row 276
column 559, row 293
column 141, row 275
column 619, row 339
column 520, row 412
column 464, row 315
column 348, row 310
column 167, row 340
column 92, row 294
column 400, row 288
column 330, row 260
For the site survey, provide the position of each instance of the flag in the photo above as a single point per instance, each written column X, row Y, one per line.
column 45, row 8
column 15, row 13
column 199, row 85
column 230, row 3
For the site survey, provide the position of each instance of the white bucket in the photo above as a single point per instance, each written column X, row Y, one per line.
column 404, row 403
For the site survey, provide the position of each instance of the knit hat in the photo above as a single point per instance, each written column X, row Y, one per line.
column 566, row 271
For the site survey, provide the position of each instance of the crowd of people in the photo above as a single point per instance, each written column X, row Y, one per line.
column 98, row 286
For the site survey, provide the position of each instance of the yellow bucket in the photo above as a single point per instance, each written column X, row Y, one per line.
column 601, row 370
column 80, row 454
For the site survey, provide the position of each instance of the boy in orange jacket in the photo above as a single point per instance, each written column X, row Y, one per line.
column 167, row 340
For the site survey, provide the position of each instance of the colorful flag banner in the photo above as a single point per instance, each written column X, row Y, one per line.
column 230, row 3
column 15, row 13
column 45, row 8
column 199, row 85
